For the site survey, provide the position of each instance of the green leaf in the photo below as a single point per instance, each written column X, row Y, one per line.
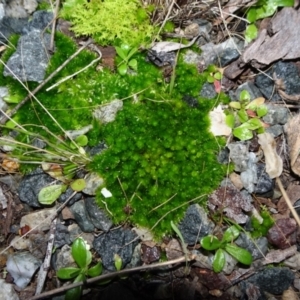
column 240, row 254
column 122, row 69
column 118, row 262
column 51, row 193
column 131, row 52
column 210, row 242
column 251, row 33
column 284, row 3
column 210, row 79
column 243, row 116
column 12, row 99
column 80, row 253
column 218, row 75
column 78, row 185
column 75, row 293
column 242, row 133
column 95, row 270
column 121, row 53
column 261, row 111
column 244, row 95
column 82, row 140
column 251, row 15
column 231, row 234
column 252, row 124
column 133, row 64
column 235, row 104
column 230, row 120
column 68, row 273
column 125, row 48
column 219, row 261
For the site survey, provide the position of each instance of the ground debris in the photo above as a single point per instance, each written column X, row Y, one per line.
column 280, row 41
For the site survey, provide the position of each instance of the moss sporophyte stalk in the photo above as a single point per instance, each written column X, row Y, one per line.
column 160, row 154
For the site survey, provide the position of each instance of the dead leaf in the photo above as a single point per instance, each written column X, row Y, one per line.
column 274, row 164
column 218, row 125
column 293, row 138
column 10, row 166
column 280, row 41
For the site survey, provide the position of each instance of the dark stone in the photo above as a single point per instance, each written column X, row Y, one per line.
column 223, row 156
column 264, row 183
column 120, row 241
column 9, row 26
column 161, row 59
column 228, row 56
column 65, row 196
column 62, row 236
column 250, row 87
column 288, row 72
column 31, row 185
column 41, row 20
column 272, row 280
column 191, row 101
column 81, row 216
column 97, row 216
column 208, row 91
column 30, row 60
column 97, row 149
column 257, row 248
column 195, row 224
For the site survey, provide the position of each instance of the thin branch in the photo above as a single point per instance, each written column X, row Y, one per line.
column 113, row 275
column 55, row 15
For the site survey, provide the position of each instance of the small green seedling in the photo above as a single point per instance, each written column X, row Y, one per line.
column 260, row 10
column 125, row 53
column 83, row 258
column 261, row 227
column 213, row 74
column 211, row 242
column 246, row 115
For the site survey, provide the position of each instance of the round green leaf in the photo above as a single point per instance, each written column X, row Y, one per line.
column 219, row 261
column 231, row 234
column 81, row 140
column 242, row 115
column 78, row 185
column 244, row 95
column 133, row 64
column 122, row 69
column 121, row 53
column 210, row 79
column 242, row 133
column 251, row 15
column 261, row 111
column 68, row 273
column 80, row 253
column 240, row 254
column 218, row 76
column 235, row 104
column 230, row 120
column 253, row 124
column 251, row 33
column 95, row 270
column 210, row 242
column 49, row 194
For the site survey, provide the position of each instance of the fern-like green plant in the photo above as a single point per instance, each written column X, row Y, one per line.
column 110, row 21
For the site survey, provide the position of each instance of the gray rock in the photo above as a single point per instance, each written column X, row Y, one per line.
column 120, row 241
column 161, row 59
column 64, row 258
column 195, row 224
column 93, row 182
column 249, row 176
column 22, row 266
column 228, row 56
column 62, row 236
column 65, row 196
column 273, row 280
column 276, row 115
column 293, row 262
column 30, row 60
column 288, row 72
column 41, row 20
column 7, row 291
column 230, row 263
column 31, row 185
column 258, row 248
column 275, row 130
column 208, row 91
column 239, row 155
column 98, row 217
column 75, row 232
column 264, row 183
column 107, row 113
column 80, row 214
column 9, row 26
column 3, row 93
column 19, row 8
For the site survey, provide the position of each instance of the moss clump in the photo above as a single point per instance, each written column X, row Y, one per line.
column 160, row 153
column 261, row 229
column 110, row 21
